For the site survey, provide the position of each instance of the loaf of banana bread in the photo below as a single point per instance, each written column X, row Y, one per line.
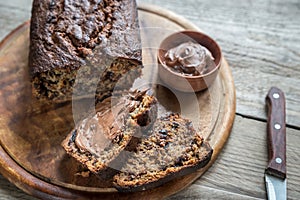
column 172, row 149
column 93, row 43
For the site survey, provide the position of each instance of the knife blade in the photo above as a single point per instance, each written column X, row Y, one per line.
column 275, row 173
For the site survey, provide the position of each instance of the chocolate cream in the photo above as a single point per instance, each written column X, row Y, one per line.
column 189, row 59
column 96, row 133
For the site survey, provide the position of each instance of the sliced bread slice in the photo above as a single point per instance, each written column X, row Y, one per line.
column 172, row 149
column 99, row 139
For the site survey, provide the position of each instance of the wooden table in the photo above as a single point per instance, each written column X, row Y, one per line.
column 261, row 41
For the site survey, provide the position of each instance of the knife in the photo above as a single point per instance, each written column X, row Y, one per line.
column 275, row 173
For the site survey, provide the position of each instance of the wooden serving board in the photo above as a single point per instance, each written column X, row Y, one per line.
column 31, row 132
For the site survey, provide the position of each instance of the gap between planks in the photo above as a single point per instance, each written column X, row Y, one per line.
column 264, row 120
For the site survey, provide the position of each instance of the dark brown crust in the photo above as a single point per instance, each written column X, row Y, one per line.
column 172, row 149
column 145, row 105
column 89, row 160
column 66, row 36
column 55, row 46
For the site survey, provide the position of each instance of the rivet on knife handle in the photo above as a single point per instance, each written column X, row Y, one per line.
column 276, row 133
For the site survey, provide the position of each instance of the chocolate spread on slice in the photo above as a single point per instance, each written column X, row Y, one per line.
column 96, row 133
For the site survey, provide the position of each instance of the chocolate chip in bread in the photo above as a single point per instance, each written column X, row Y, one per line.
column 100, row 36
column 99, row 139
column 172, row 149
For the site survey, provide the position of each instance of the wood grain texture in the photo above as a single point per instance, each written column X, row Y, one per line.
column 13, row 13
column 238, row 172
column 276, row 133
column 261, row 41
column 32, row 131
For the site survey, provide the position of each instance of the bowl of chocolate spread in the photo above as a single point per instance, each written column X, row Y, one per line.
column 189, row 61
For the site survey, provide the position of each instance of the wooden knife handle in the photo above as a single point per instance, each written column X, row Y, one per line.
column 276, row 133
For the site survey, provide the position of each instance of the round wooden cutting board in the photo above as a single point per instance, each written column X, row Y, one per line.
column 31, row 132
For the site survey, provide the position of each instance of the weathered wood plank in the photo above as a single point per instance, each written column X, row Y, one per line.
column 203, row 192
column 261, row 44
column 238, row 172
column 12, row 14
column 260, row 39
column 43, row 149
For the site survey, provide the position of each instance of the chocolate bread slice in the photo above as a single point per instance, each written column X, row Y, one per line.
column 173, row 149
column 99, row 139
column 99, row 40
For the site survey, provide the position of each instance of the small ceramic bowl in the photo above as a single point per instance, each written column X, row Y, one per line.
column 183, row 82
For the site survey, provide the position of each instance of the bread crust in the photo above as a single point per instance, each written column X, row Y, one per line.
column 123, row 129
column 102, row 36
column 172, row 150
